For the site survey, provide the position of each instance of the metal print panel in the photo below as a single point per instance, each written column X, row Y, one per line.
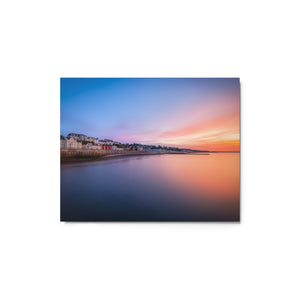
column 150, row 149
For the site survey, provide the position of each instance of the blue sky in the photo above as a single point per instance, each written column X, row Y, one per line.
column 143, row 109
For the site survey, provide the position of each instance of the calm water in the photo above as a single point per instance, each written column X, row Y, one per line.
column 153, row 188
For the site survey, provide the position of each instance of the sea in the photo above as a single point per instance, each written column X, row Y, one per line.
column 168, row 187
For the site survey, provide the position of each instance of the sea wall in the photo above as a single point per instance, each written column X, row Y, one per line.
column 77, row 155
column 65, row 153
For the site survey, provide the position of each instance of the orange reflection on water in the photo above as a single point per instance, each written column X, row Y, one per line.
column 215, row 176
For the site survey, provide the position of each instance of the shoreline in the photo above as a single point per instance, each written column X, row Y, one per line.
column 108, row 156
column 96, row 156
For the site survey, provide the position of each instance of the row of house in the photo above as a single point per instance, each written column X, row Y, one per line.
column 135, row 148
column 79, row 137
column 81, row 141
column 99, row 147
column 83, row 138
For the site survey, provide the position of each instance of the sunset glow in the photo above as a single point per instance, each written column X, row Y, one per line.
column 200, row 114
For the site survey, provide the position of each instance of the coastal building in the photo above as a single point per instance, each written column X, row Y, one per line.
column 106, row 147
column 90, row 139
column 70, row 144
column 91, row 146
column 63, row 142
column 81, row 141
column 107, row 142
column 77, row 136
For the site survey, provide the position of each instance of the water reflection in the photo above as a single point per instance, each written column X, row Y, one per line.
column 153, row 188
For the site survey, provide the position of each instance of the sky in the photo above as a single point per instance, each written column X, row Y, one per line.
column 195, row 113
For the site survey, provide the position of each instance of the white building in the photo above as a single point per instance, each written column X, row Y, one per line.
column 70, row 144
column 63, row 144
column 106, row 142
column 90, row 146
column 90, row 139
column 77, row 136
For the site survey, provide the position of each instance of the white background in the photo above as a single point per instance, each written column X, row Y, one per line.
column 42, row 258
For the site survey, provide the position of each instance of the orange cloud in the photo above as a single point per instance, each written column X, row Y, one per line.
column 220, row 134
